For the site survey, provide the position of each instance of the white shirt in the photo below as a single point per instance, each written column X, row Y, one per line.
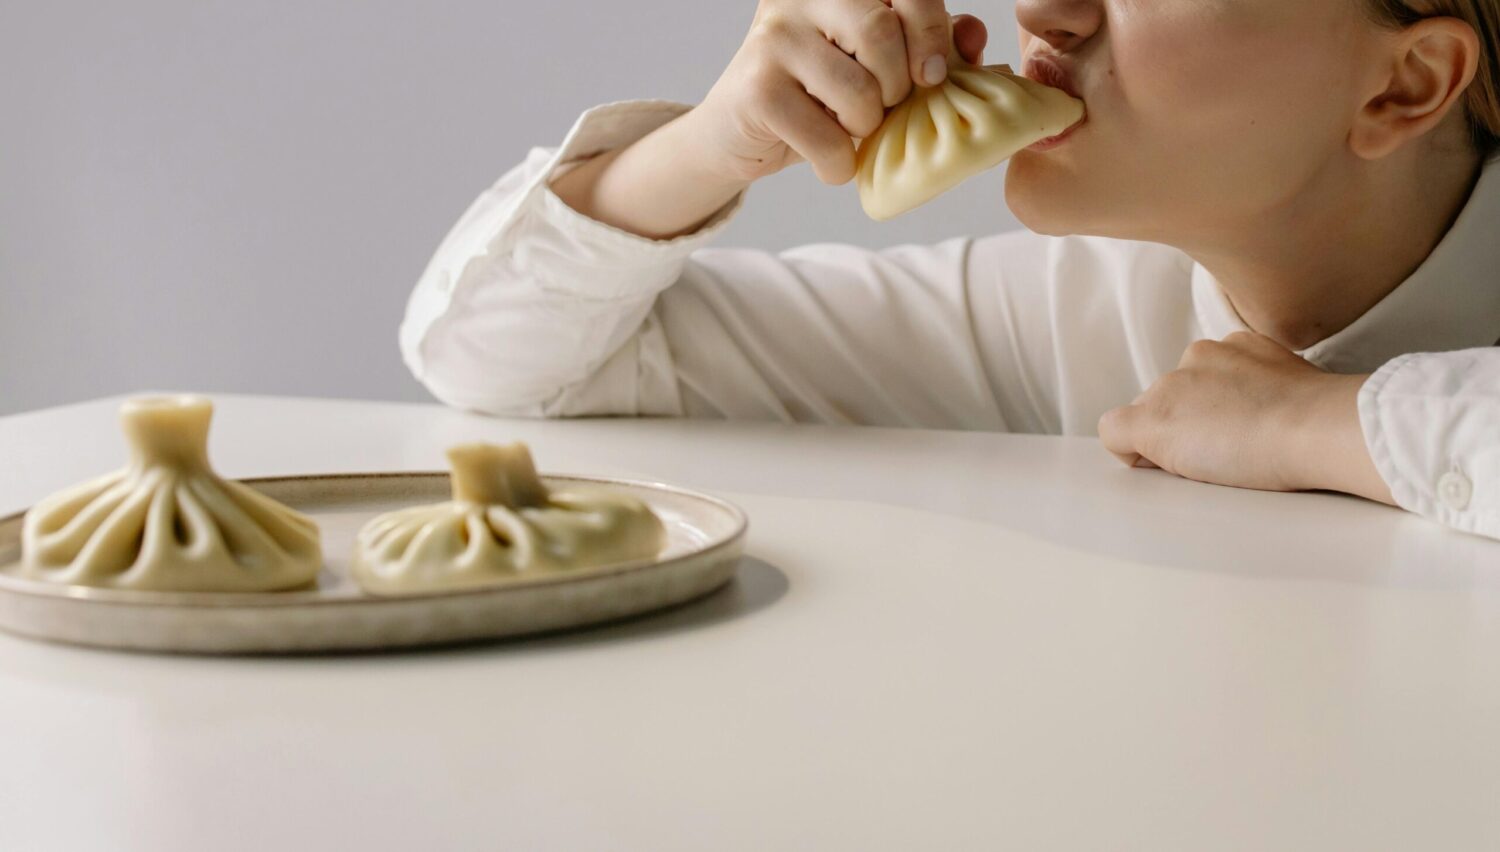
column 532, row 309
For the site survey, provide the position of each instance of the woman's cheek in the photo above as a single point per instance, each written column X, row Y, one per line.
column 1204, row 96
column 1181, row 82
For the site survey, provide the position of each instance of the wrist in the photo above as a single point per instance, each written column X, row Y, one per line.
column 661, row 186
column 1332, row 452
column 698, row 155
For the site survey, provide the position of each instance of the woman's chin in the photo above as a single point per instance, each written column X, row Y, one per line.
column 1042, row 209
column 1058, row 202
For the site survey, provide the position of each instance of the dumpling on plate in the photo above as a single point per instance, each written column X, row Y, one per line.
column 166, row 522
column 942, row 135
column 502, row 523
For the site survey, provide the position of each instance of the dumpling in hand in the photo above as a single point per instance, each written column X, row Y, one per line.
column 942, row 135
column 502, row 523
column 167, row 522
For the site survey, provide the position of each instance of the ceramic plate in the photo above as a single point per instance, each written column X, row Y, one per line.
column 705, row 537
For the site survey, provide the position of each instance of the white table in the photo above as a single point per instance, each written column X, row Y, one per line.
column 940, row 640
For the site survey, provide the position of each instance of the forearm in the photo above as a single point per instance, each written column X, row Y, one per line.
column 660, row 187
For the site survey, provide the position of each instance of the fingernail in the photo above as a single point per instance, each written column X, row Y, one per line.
column 934, row 70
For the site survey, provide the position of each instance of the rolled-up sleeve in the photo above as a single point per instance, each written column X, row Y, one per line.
column 530, row 308
column 1432, row 424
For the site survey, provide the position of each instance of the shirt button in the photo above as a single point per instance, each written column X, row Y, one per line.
column 1455, row 489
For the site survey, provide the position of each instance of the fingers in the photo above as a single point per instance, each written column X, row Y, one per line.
column 929, row 37
column 870, row 31
column 808, row 129
column 843, row 85
column 1120, row 430
column 1117, row 430
column 821, row 75
column 971, row 37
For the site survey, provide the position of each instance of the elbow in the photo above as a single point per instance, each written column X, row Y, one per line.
column 479, row 376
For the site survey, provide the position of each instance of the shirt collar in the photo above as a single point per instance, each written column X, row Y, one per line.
column 1452, row 301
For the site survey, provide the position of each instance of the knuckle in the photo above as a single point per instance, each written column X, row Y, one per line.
column 774, row 28
column 765, row 83
column 843, row 72
column 865, row 122
column 936, row 31
column 1154, row 413
column 924, row 19
column 855, row 80
column 880, row 26
column 766, row 95
column 1158, row 398
column 1109, row 426
column 1198, row 350
column 1167, row 384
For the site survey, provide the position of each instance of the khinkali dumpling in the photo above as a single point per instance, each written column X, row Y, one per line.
column 166, row 522
column 502, row 523
column 942, row 135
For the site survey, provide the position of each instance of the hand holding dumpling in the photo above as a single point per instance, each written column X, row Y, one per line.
column 814, row 75
column 811, row 77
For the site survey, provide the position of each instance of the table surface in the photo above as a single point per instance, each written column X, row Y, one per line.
column 937, row 640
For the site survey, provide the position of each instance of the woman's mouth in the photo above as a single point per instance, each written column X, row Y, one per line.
column 1053, row 141
column 1050, row 72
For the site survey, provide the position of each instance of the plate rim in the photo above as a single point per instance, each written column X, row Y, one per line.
column 305, row 598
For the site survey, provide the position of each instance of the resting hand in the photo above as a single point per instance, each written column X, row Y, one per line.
column 1249, row 413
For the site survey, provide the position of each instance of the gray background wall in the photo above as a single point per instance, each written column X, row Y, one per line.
column 238, row 196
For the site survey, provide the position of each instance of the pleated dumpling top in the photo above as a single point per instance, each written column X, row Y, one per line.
column 503, row 523
column 942, row 135
column 166, row 522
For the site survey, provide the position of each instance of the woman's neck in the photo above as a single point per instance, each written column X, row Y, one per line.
column 1306, row 271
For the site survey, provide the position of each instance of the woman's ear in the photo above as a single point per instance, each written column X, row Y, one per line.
column 1432, row 63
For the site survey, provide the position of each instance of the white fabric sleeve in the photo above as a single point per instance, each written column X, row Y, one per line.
column 532, row 309
column 529, row 308
column 1432, row 424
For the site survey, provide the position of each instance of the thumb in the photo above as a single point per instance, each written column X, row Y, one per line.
column 970, row 36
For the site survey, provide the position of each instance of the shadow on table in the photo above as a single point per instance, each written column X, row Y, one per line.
column 756, row 585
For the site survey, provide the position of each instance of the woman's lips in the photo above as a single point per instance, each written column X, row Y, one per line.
column 1050, row 72
column 1053, row 141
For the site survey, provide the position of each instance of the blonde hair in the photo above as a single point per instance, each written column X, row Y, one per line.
column 1482, row 100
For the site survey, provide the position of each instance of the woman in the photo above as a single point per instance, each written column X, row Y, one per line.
column 1269, row 208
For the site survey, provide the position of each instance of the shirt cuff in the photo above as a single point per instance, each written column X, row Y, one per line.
column 1430, row 432
column 569, row 248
